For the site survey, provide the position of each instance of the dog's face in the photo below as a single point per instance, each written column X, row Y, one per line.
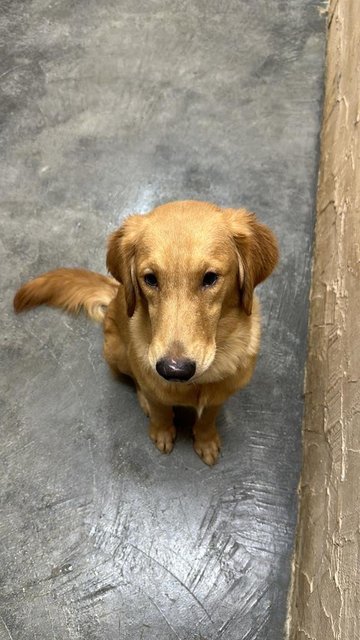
column 186, row 265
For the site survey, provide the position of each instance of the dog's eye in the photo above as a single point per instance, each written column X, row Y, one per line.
column 151, row 280
column 209, row 279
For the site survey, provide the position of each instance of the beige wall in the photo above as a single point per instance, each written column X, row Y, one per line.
column 325, row 599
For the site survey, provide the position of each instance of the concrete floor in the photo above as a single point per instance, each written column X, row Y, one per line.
column 109, row 107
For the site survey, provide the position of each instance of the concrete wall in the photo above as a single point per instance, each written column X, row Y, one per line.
column 325, row 599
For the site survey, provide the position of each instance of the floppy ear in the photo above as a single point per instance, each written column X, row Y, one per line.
column 257, row 251
column 120, row 259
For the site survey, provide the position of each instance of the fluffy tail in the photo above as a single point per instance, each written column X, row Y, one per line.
column 69, row 289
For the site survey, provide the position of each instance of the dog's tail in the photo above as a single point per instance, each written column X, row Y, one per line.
column 69, row 289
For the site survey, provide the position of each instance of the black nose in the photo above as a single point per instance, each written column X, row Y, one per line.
column 180, row 369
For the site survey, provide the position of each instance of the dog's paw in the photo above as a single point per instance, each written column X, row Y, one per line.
column 208, row 449
column 163, row 438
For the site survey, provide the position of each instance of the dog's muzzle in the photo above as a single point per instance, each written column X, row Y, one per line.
column 176, row 370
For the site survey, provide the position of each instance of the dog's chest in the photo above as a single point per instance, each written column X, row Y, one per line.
column 197, row 396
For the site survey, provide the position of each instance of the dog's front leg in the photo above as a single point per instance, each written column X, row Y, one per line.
column 162, row 431
column 206, row 437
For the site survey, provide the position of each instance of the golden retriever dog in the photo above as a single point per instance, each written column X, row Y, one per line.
column 179, row 314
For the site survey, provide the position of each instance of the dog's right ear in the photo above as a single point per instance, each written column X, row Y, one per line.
column 120, row 259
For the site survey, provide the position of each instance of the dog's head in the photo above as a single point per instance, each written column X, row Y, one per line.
column 185, row 265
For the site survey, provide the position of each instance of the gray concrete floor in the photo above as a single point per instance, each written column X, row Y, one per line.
column 109, row 107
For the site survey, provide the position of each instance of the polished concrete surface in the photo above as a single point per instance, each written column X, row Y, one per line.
column 109, row 107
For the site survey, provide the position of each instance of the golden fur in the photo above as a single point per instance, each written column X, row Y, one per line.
column 179, row 318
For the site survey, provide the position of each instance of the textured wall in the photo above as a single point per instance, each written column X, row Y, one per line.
column 326, row 595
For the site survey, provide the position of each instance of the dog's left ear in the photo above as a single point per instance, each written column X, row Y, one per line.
column 120, row 259
column 257, row 251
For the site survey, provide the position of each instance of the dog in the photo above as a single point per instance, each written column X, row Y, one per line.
column 179, row 312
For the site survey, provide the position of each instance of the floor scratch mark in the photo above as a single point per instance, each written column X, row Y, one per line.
column 6, row 627
column 163, row 616
column 175, row 578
